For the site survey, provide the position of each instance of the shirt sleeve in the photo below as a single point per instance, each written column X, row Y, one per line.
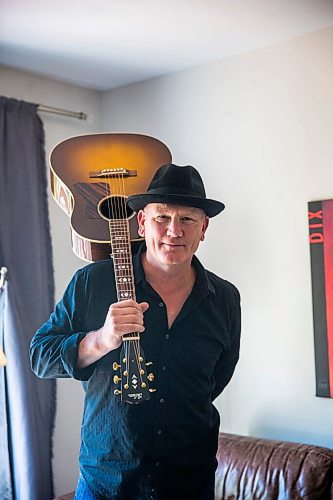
column 54, row 347
column 226, row 364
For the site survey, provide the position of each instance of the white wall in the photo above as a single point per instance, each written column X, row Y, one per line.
column 25, row 86
column 259, row 127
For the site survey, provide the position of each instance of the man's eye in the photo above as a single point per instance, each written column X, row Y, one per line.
column 161, row 218
column 187, row 220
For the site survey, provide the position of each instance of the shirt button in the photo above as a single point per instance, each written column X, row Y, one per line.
column 157, row 464
column 167, row 336
column 161, row 304
column 159, row 432
column 164, row 368
column 162, row 400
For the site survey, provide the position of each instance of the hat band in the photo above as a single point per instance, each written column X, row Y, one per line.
column 176, row 191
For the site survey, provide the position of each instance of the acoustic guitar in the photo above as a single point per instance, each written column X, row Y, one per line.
column 91, row 177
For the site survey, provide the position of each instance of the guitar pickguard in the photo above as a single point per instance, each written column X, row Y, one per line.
column 93, row 193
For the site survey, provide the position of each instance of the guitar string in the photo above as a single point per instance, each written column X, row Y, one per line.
column 117, row 257
column 124, row 261
column 136, row 342
column 121, row 259
column 111, row 216
column 129, row 285
column 117, row 213
column 122, row 229
column 121, row 262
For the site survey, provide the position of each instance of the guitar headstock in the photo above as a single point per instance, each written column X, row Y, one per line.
column 134, row 377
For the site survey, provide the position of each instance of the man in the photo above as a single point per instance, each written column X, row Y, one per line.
column 163, row 448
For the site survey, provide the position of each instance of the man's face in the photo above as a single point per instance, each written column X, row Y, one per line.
column 172, row 232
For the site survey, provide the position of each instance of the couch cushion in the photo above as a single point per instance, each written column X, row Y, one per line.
column 253, row 468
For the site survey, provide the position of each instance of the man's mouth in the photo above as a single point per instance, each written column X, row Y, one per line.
column 173, row 245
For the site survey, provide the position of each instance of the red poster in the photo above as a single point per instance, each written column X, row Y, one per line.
column 321, row 249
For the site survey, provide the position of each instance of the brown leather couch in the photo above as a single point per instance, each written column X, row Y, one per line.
column 252, row 468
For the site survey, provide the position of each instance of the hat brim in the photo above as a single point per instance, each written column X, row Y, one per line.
column 210, row 207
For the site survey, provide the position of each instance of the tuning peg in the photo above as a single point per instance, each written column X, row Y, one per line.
column 150, row 377
column 115, row 366
column 117, row 392
column 116, row 379
column 152, row 390
column 149, row 363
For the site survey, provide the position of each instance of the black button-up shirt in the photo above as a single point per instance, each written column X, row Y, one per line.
column 177, row 428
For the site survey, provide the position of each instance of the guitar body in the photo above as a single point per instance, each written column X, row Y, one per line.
column 82, row 189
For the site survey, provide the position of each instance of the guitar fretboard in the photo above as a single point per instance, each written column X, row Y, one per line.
column 122, row 259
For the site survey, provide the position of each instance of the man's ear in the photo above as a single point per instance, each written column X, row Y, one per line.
column 141, row 221
column 205, row 224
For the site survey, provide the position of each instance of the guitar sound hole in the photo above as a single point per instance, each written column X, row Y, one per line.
column 114, row 207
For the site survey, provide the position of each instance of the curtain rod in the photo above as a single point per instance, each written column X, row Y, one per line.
column 63, row 112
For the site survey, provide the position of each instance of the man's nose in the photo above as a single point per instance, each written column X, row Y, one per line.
column 175, row 228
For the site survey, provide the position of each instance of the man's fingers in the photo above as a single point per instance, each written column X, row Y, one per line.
column 133, row 319
column 144, row 306
column 125, row 303
column 125, row 317
column 128, row 315
column 119, row 309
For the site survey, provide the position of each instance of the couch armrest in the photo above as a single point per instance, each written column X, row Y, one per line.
column 251, row 467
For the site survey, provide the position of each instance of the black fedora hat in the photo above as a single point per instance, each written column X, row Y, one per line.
column 177, row 186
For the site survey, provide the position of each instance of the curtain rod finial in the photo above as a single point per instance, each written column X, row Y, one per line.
column 3, row 359
column 3, row 274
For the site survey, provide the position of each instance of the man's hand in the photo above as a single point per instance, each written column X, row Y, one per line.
column 122, row 318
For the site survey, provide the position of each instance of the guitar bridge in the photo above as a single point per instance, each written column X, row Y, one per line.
column 112, row 172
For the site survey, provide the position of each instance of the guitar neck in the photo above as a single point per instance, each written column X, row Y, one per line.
column 133, row 376
column 122, row 259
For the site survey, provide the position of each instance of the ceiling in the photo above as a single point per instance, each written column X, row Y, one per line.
column 103, row 44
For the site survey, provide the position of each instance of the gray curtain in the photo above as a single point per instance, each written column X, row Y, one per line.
column 27, row 404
